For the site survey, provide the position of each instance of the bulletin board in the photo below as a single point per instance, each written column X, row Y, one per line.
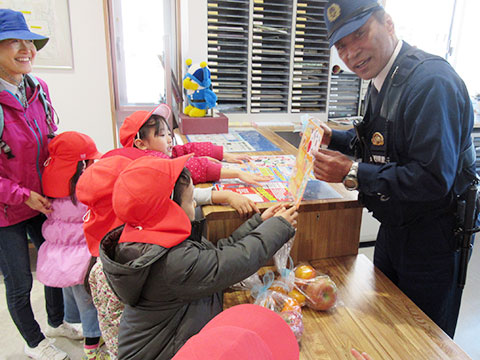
column 50, row 18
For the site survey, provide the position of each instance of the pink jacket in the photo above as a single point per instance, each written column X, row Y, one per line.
column 202, row 169
column 26, row 133
column 64, row 257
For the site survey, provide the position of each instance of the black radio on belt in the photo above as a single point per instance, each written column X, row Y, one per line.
column 359, row 144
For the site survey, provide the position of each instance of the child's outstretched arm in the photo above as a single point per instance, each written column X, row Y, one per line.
column 244, row 206
column 199, row 149
column 206, row 269
column 235, row 158
column 278, row 210
column 272, row 210
column 246, row 177
column 289, row 214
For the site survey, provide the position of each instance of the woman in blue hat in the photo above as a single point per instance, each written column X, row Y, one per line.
column 25, row 129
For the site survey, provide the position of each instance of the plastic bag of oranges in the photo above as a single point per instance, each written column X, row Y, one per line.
column 288, row 308
column 284, row 265
column 318, row 290
column 282, row 257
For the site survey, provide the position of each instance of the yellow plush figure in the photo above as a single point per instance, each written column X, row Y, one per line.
column 198, row 86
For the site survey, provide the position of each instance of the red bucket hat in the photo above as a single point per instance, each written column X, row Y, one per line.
column 66, row 150
column 141, row 199
column 242, row 332
column 132, row 124
column 131, row 153
column 94, row 189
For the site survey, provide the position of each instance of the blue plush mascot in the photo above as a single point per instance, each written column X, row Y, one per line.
column 198, row 84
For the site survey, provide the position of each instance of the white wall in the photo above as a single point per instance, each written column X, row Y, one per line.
column 81, row 96
column 369, row 227
column 194, row 22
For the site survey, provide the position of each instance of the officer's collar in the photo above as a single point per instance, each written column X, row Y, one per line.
column 380, row 78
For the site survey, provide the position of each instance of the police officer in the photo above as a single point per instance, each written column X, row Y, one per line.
column 413, row 153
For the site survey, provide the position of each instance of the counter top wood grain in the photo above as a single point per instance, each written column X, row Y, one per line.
column 372, row 315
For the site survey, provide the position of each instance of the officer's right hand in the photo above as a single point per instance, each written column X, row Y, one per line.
column 330, row 166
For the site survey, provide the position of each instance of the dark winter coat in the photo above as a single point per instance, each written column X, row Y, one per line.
column 170, row 294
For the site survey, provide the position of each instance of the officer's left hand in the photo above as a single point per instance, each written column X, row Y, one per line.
column 330, row 166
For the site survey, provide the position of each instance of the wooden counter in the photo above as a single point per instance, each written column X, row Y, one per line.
column 372, row 315
column 326, row 228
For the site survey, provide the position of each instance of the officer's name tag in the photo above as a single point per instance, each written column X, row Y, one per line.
column 379, row 159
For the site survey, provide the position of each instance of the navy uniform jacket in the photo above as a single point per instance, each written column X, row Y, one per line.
column 432, row 126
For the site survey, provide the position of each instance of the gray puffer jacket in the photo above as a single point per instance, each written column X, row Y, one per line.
column 170, row 294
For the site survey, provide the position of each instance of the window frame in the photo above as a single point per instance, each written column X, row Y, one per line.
column 122, row 108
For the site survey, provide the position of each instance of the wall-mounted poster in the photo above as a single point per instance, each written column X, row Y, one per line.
column 49, row 18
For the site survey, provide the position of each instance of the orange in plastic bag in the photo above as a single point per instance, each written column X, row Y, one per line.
column 291, row 304
column 297, row 295
column 305, row 272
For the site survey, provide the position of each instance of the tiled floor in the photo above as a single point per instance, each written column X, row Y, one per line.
column 467, row 336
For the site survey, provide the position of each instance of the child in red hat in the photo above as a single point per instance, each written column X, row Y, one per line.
column 63, row 258
column 149, row 131
column 94, row 189
column 169, row 277
column 242, row 332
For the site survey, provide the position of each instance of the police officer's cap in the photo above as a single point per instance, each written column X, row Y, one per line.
column 343, row 17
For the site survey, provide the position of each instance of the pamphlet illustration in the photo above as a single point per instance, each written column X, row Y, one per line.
column 311, row 139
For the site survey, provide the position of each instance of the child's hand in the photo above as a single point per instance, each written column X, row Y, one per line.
column 289, row 214
column 39, row 203
column 362, row 356
column 244, row 206
column 271, row 211
column 253, row 178
column 235, row 158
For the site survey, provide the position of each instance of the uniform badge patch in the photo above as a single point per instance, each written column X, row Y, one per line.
column 333, row 12
column 377, row 139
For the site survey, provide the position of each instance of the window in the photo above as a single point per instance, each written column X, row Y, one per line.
column 448, row 28
column 424, row 24
column 465, row 45
column 137, row 31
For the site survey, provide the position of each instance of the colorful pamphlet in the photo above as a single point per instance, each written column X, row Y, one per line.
column 280, row 167
column 311, row 139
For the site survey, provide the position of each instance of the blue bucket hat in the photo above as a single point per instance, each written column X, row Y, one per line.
column 343, row 17
column 14, row 26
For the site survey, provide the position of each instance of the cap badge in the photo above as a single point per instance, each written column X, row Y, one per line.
column 333, row 12
column 377, row 139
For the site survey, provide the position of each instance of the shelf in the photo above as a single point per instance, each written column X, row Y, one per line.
column 275, row 52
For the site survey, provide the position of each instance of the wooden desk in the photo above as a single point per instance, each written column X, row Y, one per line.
column 372, row 315
column 326, row 228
